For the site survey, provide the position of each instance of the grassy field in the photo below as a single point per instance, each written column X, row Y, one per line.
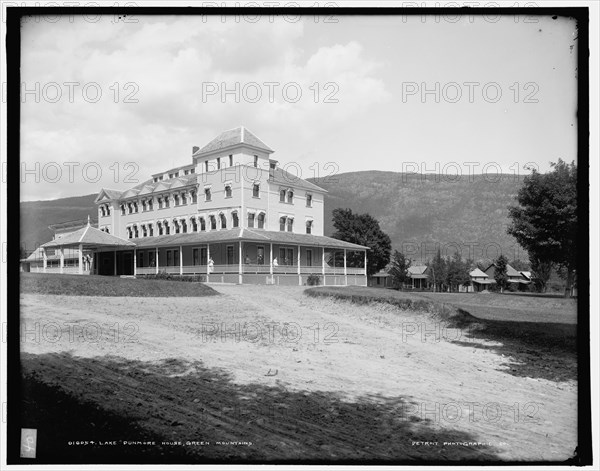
column 539, row 334
column 92, row 285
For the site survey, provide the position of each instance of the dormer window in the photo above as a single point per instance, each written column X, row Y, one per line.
column 256, row 190
column 227, row 191
column 308, row 200
column 207, row 195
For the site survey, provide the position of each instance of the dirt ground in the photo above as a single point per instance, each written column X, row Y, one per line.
column 265, row 373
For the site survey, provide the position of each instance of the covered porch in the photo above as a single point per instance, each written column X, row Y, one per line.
column 258, row 257
column 86, row 243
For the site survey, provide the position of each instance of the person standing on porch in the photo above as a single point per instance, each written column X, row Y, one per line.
column 211, row 265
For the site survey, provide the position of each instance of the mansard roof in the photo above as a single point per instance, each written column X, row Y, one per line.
column 150, row 186
column 232, row 137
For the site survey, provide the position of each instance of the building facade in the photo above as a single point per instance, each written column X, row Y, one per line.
column 232, row 214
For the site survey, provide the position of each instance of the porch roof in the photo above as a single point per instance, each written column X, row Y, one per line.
column 242, row 234
column 89, row 236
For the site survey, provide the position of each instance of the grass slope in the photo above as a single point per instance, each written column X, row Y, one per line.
column 93, row 285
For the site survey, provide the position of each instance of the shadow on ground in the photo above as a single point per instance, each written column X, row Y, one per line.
column 545, row 350
column 111, row 399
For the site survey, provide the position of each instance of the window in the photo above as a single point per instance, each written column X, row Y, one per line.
column 261, row 220
column 144, row 231
column 194, row 225
column 290, row 197
column 140, row 259
column 167, row 228
column 184, row 226
column 170, row 175
column 151, row 259
column 206, row 166
column 169, row 258
column 256, row 190
column 256, row 160
column 290, row 224
column 150, row 204
column 129, row 208
column 282, row 223
column 160, row 203
column 151, row 229
column 202, row 224
column 135, row 231
column 218, row 163
column 235, row 219
column 186, row 172
column 176, row 257
column 143, row 206
column 193, row 170
column 309, row 227
column 194, row 197
column 160, row 228
column 122, row 210
column 195, row 256
column 308, row 257
column 167, row 201
column 282, row 196
column 203, row 256
column 183, row 199
column 223, row 221
column 250, row 219
column 227, row 191
column 230, row 160
column 207, row 196
column 230, row 255
column 213, row 223
column 308, row 200
column 176, row 224
column 286, row 256
column 176, row 199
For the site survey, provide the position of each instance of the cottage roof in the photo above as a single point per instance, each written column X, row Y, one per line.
column 478, row 273
column 417, row 269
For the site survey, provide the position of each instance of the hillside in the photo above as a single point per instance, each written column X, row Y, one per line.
column 410, row 209
column 418, row 213
column 36, row 216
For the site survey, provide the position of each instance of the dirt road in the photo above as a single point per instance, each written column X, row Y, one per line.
column 298, row 378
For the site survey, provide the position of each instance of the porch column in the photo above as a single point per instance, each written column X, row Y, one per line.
column 345, row 269
column 240, row 264
column 134, row 262
column 366, row 280
column 45, row 258
column 180, row 260
column 115, row 264
column 156, row 260
column 323, row 264
column 271, row 255
column 299, row 271
column 80, row 259
column 62, row 260
column 207, row 261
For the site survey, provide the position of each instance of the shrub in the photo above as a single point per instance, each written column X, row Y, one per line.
column 313, row 280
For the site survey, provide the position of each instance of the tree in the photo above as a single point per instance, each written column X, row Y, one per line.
column 457, row 272
column 545, row 222
column 519, row 265
column 399, row 269
column 363, row 229
column 437, row 271
column 540, row 271
column 500, row 273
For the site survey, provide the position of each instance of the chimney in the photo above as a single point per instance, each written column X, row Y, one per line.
column 195, row 149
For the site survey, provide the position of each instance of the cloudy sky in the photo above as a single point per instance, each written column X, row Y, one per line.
column 110, row 101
